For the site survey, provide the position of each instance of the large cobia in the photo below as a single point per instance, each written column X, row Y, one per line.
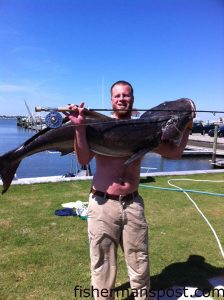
column 107, row 136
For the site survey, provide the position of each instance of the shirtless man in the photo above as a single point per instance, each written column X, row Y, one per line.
column 116, row 210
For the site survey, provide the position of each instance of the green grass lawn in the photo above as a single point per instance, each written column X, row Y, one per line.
column 44, row 256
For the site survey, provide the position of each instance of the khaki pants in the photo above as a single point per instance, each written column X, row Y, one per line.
column 112, row 223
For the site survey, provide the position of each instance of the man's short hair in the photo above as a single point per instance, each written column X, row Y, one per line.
column 122, row 82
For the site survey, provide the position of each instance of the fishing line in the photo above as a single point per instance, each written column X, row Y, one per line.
column 65, row 109
column 139, row 119
column 117, row 121
column 149, row 110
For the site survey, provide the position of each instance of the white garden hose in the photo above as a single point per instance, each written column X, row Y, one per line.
column 198, row 209
column 179, row 189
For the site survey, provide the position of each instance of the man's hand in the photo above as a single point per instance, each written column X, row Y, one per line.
column 76, row 116
column 81, row 147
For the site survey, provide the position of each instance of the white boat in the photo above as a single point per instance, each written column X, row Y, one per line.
column 219, row 164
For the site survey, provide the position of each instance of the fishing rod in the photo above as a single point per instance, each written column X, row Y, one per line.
column 66, row 109
column 54, row 119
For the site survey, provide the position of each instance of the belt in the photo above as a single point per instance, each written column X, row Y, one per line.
column 126, row 197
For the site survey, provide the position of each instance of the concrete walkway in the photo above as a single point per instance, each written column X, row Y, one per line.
column 206, row 142
column 205, row 138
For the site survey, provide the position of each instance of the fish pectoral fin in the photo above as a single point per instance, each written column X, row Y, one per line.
column 137, row 155
column 65, row 152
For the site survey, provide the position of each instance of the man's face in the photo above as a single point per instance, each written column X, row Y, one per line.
column 122, row 99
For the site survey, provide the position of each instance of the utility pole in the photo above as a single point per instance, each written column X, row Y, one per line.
column 215, row 144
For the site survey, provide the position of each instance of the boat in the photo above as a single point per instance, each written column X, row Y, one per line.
column 219, row 164
column 36, row 122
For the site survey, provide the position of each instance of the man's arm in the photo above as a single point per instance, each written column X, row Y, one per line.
column 81, row 147
column 172, row 151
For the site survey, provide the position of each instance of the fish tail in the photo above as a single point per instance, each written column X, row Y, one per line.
column 8, row 169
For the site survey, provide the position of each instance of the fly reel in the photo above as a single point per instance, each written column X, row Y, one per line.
column 54, row 119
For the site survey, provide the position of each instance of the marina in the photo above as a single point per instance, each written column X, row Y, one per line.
column 36, row 123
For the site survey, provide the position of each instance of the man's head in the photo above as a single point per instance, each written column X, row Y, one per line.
column 122, row 98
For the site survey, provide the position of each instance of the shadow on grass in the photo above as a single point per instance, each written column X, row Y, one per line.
column 147, row 179
column 195, row 272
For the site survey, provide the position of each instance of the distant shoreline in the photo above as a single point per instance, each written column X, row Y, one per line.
column 9, row 117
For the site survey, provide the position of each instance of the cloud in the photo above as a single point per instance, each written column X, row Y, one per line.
column 30, row 89
column 12, row 97
column 12, row 88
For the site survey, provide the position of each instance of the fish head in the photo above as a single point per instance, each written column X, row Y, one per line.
column 175, row 116
column 174, row 128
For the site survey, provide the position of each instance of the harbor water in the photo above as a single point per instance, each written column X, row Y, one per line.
column 52, row 164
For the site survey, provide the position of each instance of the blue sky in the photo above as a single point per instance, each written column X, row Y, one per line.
column 55, row 52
